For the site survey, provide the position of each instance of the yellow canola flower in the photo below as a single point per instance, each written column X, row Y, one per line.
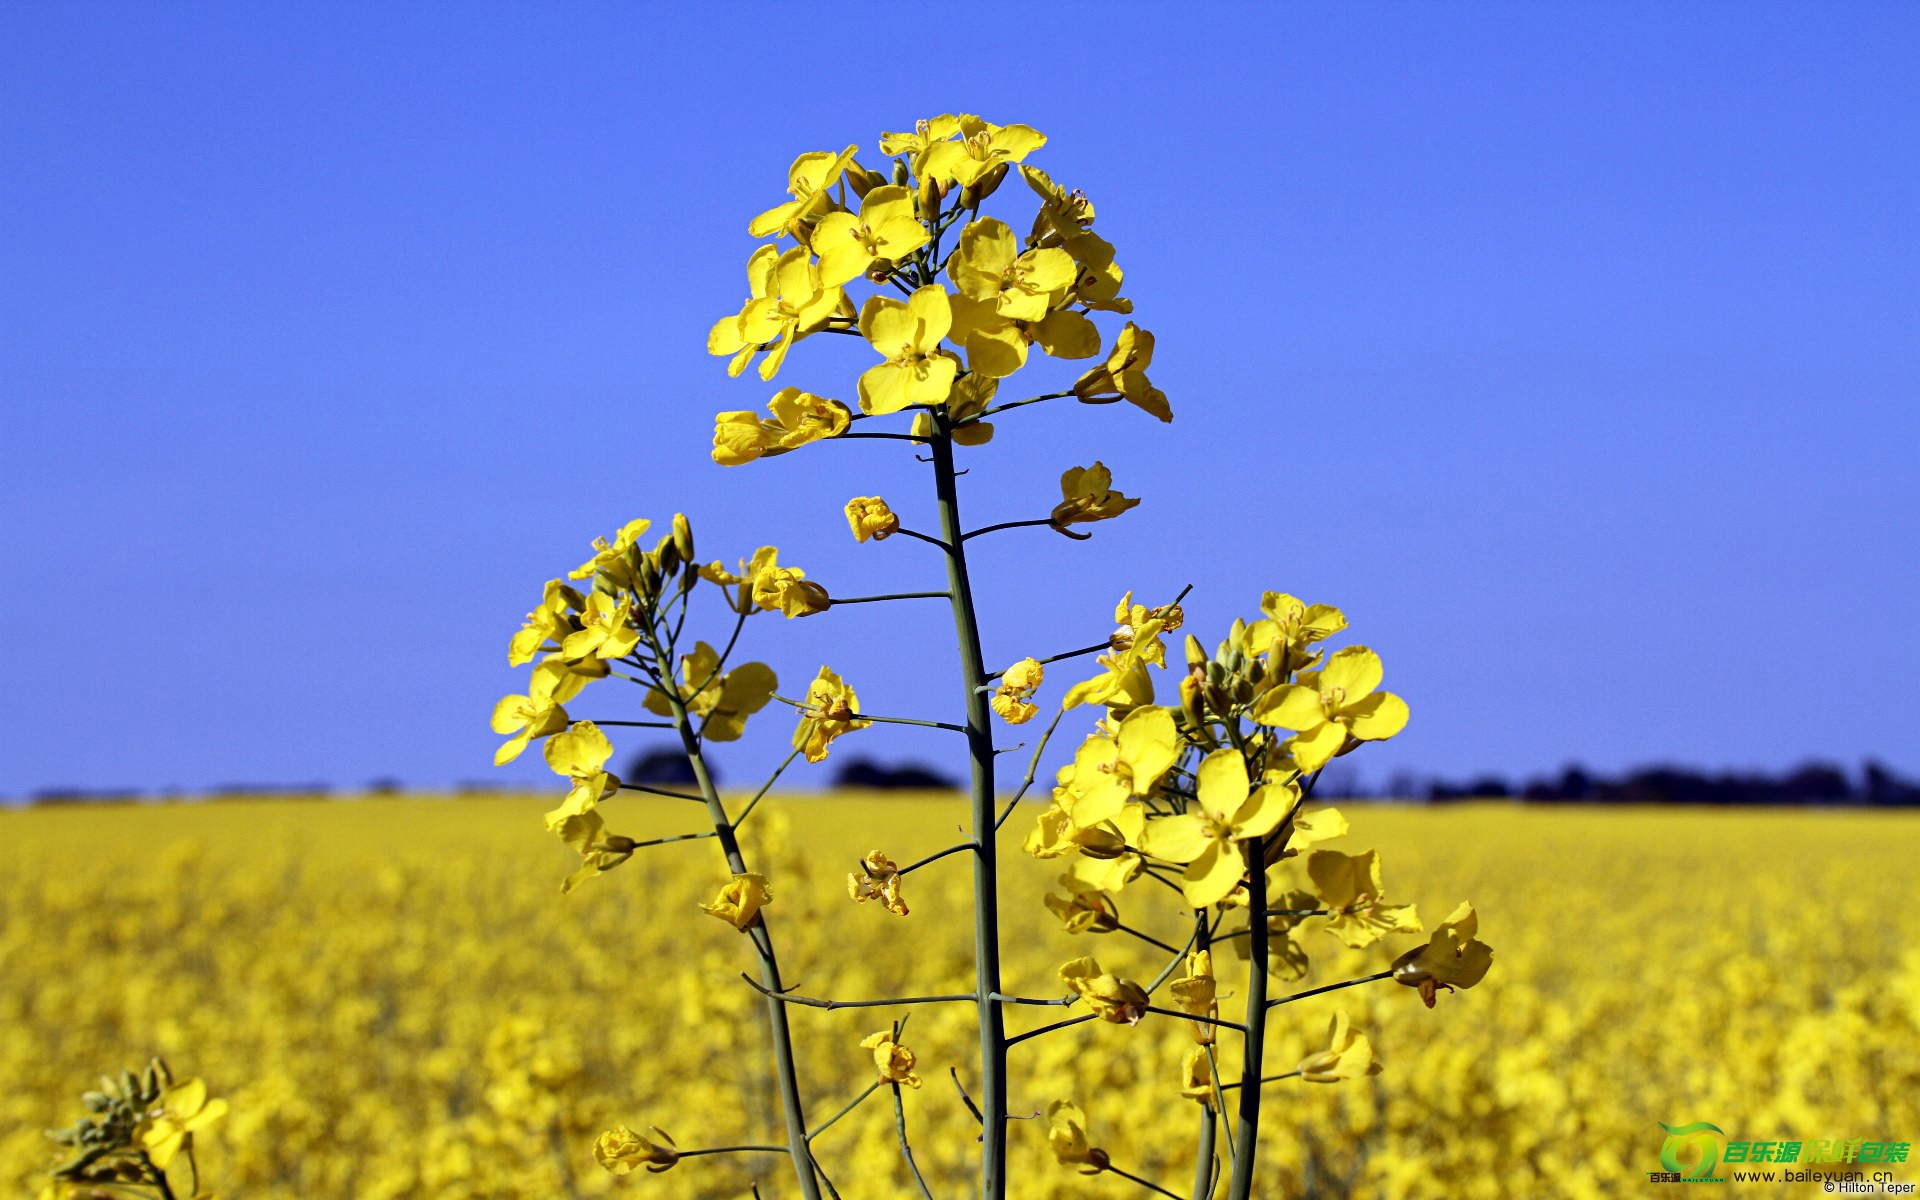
column 1349, row 1055
column 740, row 599
column 586, row 831
column 1196, row 1076
column 580, row 754
column 981, row 147
column 1108, row 771
column 1087, row 495
column 786, row 302
column 830, row 711
column 1085, row 908
column 1208, row 840
column 968, row 400
column 877, row 879
column 887, row 229
column 1121, row 1001
column 613, row 560
column 1124, row 375
column 869, row 517
column 1328, row 706
column 798, row 419
column 1198, row 994
column 620, row 1150
column 1453, row 958
column 891, row 1059
column 1012, row 699
column 183, row 1110
column 550, row 622
column 724, row 701
column 536, row 714
column 1136, row 645
column 907, row 335
column 1288, row 628
column 785, row 590
column 926, row 132
column 807, row 182
column 606, row 629
column 740, row 900
column 1067, row 1138
column 989, row 266
column 1349, row 887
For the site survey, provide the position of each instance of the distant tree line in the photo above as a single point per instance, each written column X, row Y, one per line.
column 1810, row 784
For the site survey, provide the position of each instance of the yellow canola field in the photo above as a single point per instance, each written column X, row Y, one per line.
column 398, row 1001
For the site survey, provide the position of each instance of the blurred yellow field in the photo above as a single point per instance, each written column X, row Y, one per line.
column 397, row 1001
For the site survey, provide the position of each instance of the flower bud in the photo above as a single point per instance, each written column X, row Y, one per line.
column 683, row 537
column 981, row 188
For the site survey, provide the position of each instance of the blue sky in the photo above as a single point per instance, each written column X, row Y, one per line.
column 1572, row 350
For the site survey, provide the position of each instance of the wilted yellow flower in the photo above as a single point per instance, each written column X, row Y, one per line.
column 878, row 879
column 808, row 180
column 740, row 900
column 1349, row 886
column 907, row 335
column 798, row 418
column 785, row 590
column 1088, row 495
column 887, row 229
column 1229, row 809
column 1084, row 909
column 1327, row 706
column 787, row 302
column 1067, row 1136
column 1452, row 958
column 1349, row 1055
column 1018, row 683
column 1124, row 375
column 1198, row 994
column 830, row 711
column 1196, row 1076
column 869, row 517
column 894, row 1061
column 1111, row 998
column 183, row 1111
column 620, row 1150
column 580, row 826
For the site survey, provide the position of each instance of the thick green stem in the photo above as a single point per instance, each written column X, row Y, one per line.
column 1246, row 1140
column 986, row 869
column 762, row 938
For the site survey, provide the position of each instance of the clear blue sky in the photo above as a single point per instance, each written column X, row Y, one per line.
column 1572, row 350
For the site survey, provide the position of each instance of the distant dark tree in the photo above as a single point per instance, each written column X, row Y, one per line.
column 1884, row 787
column 665, row 766
column 865, row 774
column 1817, row 783
column 386, row 786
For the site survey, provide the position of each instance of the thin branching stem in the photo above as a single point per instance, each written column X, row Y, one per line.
column 1017, row 1038
column 757, row 796
column 886, row 1002
column 974, row 533
column 1148, row 938
column 1145, row 1183
column 936, row 856
column 1187, row 1016
column 837, row 601
column 906, row 1147
column 1013, row 404
column 733, row 1150
column 654, row 791
column 632, row 724
column 1080, row 653
column 1331, row 987
column 1270, row 1079
column 851, row 1105
column 1033, row 766
column 924, row 537
column 962, row 1089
